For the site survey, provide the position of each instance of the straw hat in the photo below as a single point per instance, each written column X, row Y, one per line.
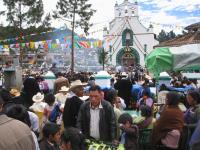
column 38, row 97
column 64, row 89
column 14, row 92
column 77, row 83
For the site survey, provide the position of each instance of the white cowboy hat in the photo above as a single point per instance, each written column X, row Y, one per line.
column 124, row 74
column 64, row 89
column 38, row 97
column 77, row 83
column 84, row 98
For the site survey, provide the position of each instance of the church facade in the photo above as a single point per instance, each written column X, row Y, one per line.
column 128, row 41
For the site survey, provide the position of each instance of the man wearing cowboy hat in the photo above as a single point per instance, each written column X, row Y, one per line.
column 38, row 105
column 59, row 82
column 73, row 103
column 62, row 95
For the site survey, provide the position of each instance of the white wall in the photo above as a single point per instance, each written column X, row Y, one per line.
column 143, row 35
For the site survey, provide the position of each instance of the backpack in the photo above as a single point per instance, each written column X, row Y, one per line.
column 55, row 113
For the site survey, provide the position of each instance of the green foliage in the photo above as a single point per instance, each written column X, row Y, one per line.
column 164, row 36
column 22, row 13
column 24, row 18
column 78, row 12
column 171, row 35
column 103, row 57
column 10, row 32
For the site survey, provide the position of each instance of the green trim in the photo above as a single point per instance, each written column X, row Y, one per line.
column 49, row 77
column 9, row 70
column 164, row 78
column 121, row 52
column 124, row 37
column 102, row 77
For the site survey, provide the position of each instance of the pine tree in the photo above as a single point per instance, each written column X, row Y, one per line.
column 162, row 36
column 165, row 36
column 79, row 13
column 171, row 35
column 23, row 13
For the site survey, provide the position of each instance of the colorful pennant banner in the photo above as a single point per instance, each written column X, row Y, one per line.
column 47, row 45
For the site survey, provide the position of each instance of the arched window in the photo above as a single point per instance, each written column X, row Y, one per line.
column 127, row 37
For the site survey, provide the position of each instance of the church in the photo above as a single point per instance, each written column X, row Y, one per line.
column 128, row 41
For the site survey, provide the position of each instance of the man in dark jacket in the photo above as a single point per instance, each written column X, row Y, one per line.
column 72, row 104
column 124, row 86
column 96, row 117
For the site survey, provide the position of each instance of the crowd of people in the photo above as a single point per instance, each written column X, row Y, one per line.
column 78, row 110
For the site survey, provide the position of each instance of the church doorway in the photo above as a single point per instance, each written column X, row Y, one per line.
column 127, row 61
column 127, row 57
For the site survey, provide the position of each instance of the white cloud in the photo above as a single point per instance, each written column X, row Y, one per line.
column 162, row 17
column 159, row 20
column 167, row 5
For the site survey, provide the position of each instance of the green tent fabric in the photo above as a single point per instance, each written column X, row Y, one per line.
column 159, row 60
column 186, row 57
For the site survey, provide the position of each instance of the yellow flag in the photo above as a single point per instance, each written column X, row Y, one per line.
column 6, row 46
column 32, row 45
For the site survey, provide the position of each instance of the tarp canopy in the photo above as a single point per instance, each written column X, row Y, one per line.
column 186, row 57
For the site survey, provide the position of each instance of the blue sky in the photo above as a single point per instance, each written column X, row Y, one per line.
column 183, row 11
column 162, row 12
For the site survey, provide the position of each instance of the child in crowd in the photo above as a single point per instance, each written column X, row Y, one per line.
column 72, row 139
column 50, row 100
column 147, row 120
column 51, row 137
column 145, row 100
column 52, row 110
column 129, row 136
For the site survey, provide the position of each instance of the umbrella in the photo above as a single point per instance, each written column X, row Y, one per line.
column 186, row 57
column 159, row 60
